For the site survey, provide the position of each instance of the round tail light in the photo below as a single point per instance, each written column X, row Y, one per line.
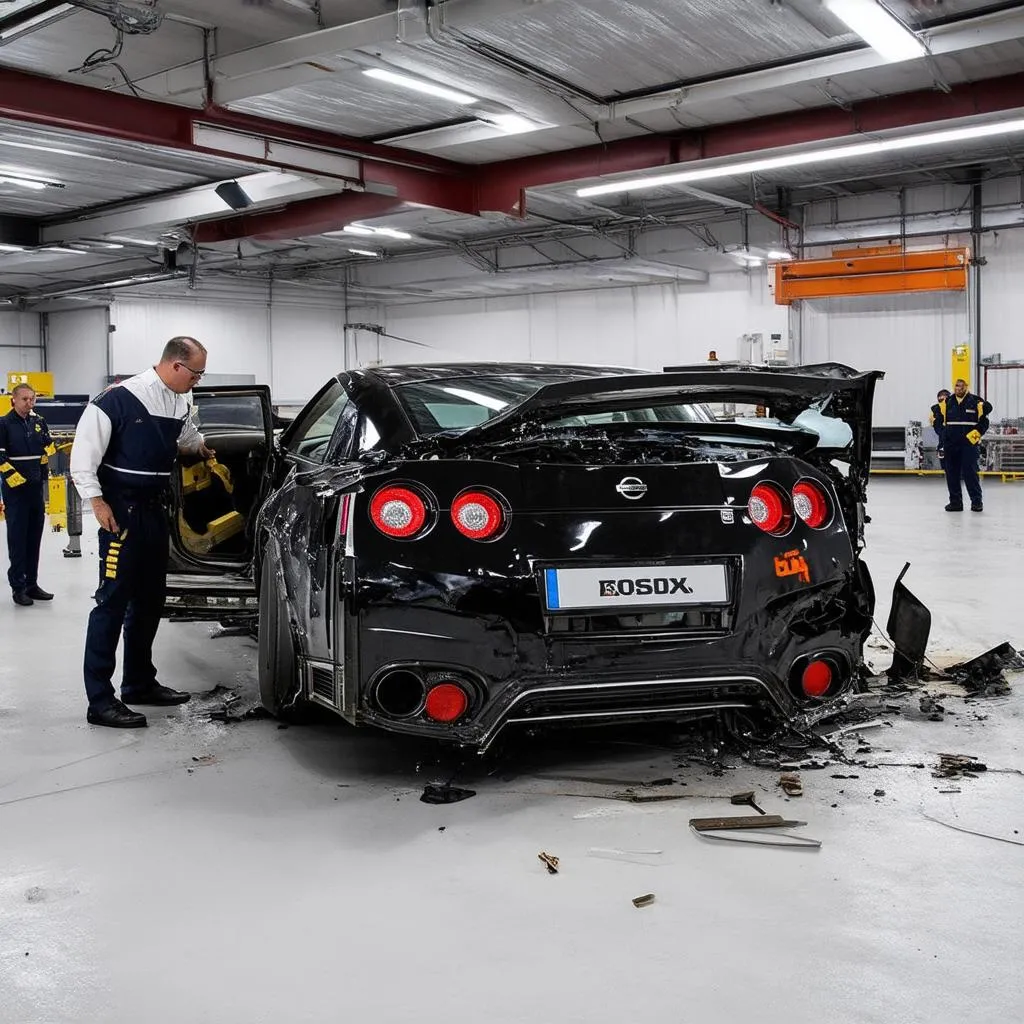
column 769, row 510
column 446, row 702
column 478, row 515
column 398, row 512
column 810, row 504
column 816, row 679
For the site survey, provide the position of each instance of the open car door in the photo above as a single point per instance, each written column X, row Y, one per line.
column 215, row 503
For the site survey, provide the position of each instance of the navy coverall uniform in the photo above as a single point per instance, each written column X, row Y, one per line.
column 25, row 449
column 124, row 451
column 962, row 422
column 936, row 413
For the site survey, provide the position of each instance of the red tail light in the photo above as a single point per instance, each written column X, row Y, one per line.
column 817, row 679
column 446, row 702
column 478, row 515
column 769, row 509
column 810, row 504
column 398, row 512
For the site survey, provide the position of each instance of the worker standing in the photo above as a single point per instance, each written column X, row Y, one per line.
column 936, row 412
column 25, row 450
column 962, row 421
column 121, row 462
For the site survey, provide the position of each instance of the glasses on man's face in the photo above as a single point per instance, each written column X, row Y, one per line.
column 196, row 374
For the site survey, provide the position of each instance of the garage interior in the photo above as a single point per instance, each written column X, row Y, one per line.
column 311, row 186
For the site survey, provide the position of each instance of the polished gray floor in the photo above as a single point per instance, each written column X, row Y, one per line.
column 199, row 872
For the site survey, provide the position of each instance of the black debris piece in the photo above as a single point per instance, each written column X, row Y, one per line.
column 909, row 626
column 983, row 676
column 434, row 794
column 952, row 766
column 879, row 792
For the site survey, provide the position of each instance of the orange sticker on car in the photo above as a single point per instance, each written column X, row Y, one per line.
column 792, row 563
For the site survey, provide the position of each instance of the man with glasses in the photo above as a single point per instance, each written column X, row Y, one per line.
column 121, row 462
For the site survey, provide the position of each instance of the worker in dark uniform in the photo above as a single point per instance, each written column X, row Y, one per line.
column 963, row 421
column 124, row 453
column 25, row 450
column 935, row 414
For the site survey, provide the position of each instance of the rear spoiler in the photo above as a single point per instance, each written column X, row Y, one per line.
column 789, row 390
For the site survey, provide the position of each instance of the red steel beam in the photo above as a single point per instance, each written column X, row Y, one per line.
column 52, row 103
column 502, row 186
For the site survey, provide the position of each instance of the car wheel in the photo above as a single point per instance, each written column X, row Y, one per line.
column 277, row 665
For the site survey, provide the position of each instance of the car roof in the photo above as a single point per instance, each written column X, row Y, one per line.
column 418, row 373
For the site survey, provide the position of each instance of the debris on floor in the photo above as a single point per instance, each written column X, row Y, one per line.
column 746, row 799
column 983, row 676
column 643, row 901
column 932, row 708
column 791, row 784
column 955, row 766
column 909, row 626
column 879, row 792
column 550, row 862
column 706, row 828
column 445, row 794
column 971, row 832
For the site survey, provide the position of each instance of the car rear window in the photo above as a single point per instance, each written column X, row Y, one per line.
column 463, row 403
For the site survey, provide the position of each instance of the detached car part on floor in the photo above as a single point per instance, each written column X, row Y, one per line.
column 450, row 550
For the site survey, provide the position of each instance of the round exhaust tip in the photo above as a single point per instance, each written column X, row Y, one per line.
column 400, row 693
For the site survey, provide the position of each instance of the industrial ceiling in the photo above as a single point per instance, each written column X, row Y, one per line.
column 318, row 141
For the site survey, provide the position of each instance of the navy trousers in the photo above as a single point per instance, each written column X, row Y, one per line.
column 26, row 512
column 133, row 582
column 962, row 465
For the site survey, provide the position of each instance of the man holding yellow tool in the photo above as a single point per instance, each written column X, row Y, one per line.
column 962, row 421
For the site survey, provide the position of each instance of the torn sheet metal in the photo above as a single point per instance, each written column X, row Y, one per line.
column 909, row 626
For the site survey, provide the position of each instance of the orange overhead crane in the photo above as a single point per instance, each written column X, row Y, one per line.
column 882, row 270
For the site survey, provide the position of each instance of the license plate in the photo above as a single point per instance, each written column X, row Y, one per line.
column 635, row 586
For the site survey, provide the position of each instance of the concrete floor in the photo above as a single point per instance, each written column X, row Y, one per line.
column 293, row 875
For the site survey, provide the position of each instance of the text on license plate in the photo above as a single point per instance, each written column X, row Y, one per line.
column 636, row 586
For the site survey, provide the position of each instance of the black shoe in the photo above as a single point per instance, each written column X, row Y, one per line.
column 22, row 598
column 954, row 508
column 161, row 696
column 977, row 507
column 38, row 594
column 117, row 716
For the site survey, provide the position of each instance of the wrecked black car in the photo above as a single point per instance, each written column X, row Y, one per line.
column 454, row 550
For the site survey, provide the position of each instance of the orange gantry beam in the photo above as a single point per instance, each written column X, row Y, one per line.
column 872, row 272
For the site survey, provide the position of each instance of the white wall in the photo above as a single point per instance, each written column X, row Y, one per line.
column 19, row 344
column 289, row 338
column 77, row 350
column 650, row 326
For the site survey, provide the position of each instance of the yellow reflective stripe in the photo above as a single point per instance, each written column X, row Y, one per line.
column 6, row 468
column 51, row 449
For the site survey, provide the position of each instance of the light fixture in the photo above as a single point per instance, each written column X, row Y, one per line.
column 369, row 232
column 364, row 252
column 128, row 240
column 66, row 250
column 779, row 254
column 20, row 27
column 32, row 183
column 8, row 247
column 882, row 31
column 420, row 85
column 749, row 258
column 802, row 158
column 510, row 123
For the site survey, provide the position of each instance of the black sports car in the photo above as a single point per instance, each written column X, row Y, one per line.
column 450, row 550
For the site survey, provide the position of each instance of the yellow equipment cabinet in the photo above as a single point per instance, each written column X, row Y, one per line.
column 41, row 383
column 961, row 366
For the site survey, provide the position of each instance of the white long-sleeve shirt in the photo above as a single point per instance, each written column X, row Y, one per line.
column 94, row 429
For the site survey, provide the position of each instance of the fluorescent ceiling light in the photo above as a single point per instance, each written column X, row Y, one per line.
column 62, row 249
column 34, row 22
column 510, row 124
column 369, row 232
column 778, row 254
column 805, row 157
column 7, row 247
column 364, row 252
column 127, row 240
column 882, row 31
column 420, row 85
column 32, row 183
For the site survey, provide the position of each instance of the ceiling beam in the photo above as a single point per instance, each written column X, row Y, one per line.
column 502, row 187
column 51, row 103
